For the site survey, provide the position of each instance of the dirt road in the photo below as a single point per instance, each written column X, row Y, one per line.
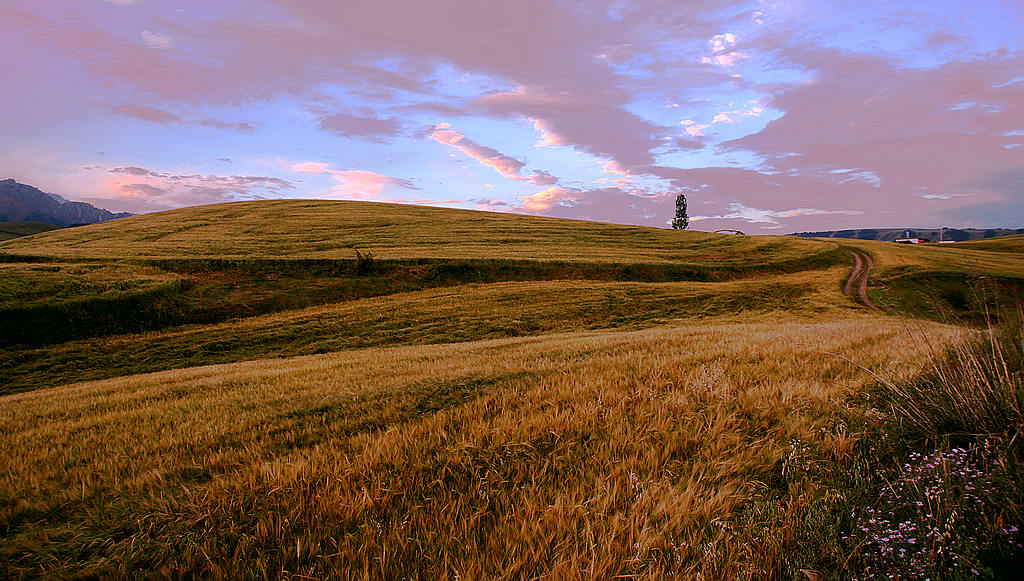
column 859, row 277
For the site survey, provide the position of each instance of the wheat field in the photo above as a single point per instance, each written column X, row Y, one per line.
column 582, row 455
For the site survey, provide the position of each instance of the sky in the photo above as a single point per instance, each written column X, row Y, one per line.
column 771, row 117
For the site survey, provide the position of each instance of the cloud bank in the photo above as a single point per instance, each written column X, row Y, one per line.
column 769, row 116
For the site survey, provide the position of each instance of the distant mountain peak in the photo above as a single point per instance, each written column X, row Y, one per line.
column 22, row 202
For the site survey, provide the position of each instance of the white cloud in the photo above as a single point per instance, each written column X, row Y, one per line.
column 741, row 211
column 723, row 51
column 722, row 42
column 944, row 196
column 157, row 41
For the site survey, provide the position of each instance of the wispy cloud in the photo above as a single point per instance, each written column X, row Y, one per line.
column 505, row 165
column 148, row 189
column 354, row 184
column 157, row 115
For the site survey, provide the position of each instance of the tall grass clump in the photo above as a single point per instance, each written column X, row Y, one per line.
column 974, row 390
column 365, row 263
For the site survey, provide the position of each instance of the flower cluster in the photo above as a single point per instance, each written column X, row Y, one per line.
column 938, row 515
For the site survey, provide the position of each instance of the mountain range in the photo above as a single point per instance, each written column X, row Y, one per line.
column 933, row 234
column 24, row 203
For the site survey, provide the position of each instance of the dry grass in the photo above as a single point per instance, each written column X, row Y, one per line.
column 973, row 390
column 597, row 455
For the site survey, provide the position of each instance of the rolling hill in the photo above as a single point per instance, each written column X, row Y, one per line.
column 233, row 391
column 293, row 229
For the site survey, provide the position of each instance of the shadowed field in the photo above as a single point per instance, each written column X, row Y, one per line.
column 9, row 230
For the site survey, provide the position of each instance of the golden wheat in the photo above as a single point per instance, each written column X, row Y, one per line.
column 596, row 454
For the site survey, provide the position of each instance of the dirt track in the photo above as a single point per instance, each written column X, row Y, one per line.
column 859, row 276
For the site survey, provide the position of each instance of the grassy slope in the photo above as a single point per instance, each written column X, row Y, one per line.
column 585, row 450
column 32, row 284
column 11, row 230
column 997, row 257
column 304, row 257
column 1003, row 244
column 464, row 313
column 968, row 281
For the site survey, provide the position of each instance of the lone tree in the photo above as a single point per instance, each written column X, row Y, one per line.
column 681, row 221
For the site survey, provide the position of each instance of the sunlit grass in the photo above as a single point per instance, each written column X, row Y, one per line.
column 600, row 453
column 1000, row 257
column 332, row 229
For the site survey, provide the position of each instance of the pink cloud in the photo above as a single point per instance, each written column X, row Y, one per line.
column 145, row 113
column 505, row 165
column 356, row 184
column 543, row 199
column 614, row 205
column 596, row 123
column 139, row 189
column 366, row 185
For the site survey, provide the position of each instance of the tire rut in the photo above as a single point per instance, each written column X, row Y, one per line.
column 859, row 278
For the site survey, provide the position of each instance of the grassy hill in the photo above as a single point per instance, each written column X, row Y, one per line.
column 967, row 281
column 245, row 259
column 332, row 229
column 487, row 395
